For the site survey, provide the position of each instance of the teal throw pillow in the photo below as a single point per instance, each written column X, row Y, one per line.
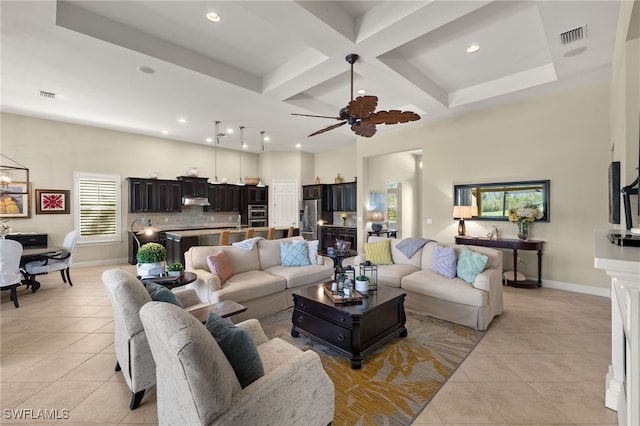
column 294, row 253
column 160, row 293
column 470, row 264
column 238, row 347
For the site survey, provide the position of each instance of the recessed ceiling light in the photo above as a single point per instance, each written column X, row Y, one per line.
column 146, row 70
column 298, row 145
column 245, row 146
column 213, row 17
column 165, row 132
column 362, row 92
column 209, row 140
column 473, row 48
column 266, row 139
column 229, row 130
column 182, row 120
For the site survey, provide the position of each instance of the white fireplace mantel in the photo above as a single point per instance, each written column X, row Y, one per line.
column 622, row 264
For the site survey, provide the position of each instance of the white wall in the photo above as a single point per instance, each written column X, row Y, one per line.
column 562, row 137
column 53, row 150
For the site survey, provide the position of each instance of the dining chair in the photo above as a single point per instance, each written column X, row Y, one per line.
column 60, row 261
column 224, row 238
column 290, row 232
column 10, row 277
column 271, row 234
column 249, row 233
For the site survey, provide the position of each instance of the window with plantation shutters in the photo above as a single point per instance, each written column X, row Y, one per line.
column 98, row 207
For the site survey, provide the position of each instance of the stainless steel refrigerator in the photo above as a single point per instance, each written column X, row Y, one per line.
column 311, row 213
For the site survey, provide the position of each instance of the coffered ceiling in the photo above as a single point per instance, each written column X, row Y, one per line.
column 267, row 59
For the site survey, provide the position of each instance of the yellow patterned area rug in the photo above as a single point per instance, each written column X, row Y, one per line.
column 398, row 379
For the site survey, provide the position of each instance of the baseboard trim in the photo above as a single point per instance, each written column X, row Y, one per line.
column 577, row 288
column 102, row 262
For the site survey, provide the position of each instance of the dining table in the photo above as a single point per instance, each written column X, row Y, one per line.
column 31, row 254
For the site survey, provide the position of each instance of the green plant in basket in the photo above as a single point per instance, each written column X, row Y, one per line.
column 362, row 278
column 151, row 253
column 175, row 267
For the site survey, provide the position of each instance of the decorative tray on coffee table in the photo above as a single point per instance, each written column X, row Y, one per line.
column 340, row 299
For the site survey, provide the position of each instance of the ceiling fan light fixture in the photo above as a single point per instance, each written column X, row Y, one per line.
column 473, row 48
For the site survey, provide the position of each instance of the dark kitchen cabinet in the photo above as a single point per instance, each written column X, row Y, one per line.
column 256, row 195
column 342, row 197
column 193, row 186
column 177, row 246
column 168, row 196
column 154, row 195
column 313, row 192
column 224, row 198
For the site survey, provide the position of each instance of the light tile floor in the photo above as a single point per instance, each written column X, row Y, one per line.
column 542, row 362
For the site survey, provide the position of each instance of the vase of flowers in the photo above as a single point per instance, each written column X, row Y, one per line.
column 344, row 217
column 522, row 215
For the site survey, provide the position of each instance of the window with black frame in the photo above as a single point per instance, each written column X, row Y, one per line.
column 495, row 199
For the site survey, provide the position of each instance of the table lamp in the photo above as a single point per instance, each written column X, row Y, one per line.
column 148, row 230
column 462, row 213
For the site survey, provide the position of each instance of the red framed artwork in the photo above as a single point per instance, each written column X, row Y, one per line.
column 52, row 201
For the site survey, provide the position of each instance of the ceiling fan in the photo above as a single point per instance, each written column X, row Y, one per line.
column 360, row 115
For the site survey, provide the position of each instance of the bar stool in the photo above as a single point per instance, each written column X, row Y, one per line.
column 271, row 234
column 224, row 238
column 249, row 233
column 290, row 233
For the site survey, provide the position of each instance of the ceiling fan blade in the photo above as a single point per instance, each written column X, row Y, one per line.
column 393, row 116
column 326, row 129
column 317, row 116
column 364, row 128
column 362, row 106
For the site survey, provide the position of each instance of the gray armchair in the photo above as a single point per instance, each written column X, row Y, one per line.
column 127, row 296
column 196, row 384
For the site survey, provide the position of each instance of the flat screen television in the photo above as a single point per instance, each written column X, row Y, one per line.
column 614, row 193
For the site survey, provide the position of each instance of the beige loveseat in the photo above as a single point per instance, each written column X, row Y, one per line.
column 259, row 280
column 429, row 293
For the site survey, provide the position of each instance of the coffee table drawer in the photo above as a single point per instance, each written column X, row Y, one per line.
column 323, row 311
column 331, row 333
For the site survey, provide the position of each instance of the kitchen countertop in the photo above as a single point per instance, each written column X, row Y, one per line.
column 328, row 225
column 215, row 231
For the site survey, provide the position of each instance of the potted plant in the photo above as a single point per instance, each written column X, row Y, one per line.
column 175, row 269
column 151, row 258
column 362, row 284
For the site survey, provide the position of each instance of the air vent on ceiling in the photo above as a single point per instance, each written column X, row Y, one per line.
column 49, row 95
column 573, row 35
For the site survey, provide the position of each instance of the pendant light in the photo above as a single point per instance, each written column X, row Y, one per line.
column 240, row 182
column 216, row 141
column 260, row 183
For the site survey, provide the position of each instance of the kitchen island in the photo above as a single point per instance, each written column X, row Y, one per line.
column 178, row 242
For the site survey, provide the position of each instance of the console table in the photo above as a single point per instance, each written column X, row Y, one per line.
column 510, row 244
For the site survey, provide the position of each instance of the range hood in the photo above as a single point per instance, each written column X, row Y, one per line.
column 195, row 201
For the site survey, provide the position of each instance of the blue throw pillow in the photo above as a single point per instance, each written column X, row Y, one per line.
column 294, row 254
column 470, row 264
column 443, row 261
column 238, row 347
column 160, row 293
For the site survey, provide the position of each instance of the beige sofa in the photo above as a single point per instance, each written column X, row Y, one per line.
column 259, row 282
column 429, row 293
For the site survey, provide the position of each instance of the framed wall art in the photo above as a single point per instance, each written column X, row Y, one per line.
column 14, row 200
column 52, row 201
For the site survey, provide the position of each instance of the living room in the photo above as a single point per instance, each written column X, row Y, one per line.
column 568, row 137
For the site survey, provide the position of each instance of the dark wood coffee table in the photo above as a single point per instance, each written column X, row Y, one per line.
column 352, row 330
